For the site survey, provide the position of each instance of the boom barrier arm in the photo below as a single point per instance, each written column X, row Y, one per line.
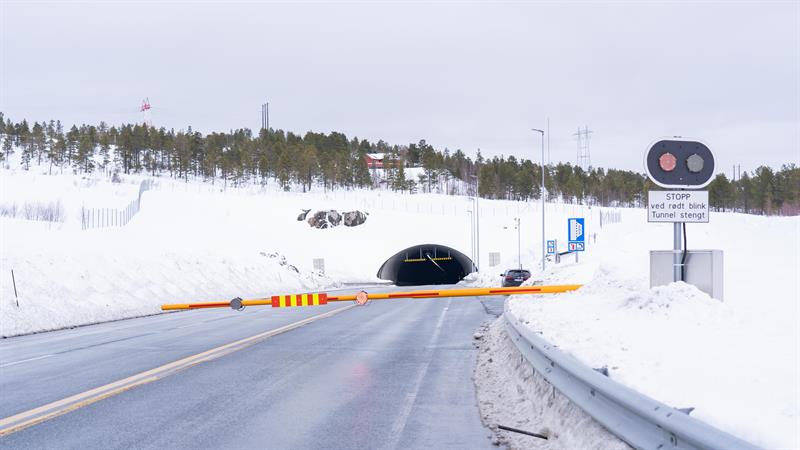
column 321, row 299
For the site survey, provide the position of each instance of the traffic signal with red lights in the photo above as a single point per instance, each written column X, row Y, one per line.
column 677, row 163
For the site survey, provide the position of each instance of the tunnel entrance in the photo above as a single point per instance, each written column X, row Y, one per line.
column 426, row 264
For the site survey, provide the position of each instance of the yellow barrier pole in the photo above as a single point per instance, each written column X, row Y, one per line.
column 466, row 292
column 434, row 293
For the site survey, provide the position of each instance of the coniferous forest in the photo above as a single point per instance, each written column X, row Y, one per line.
column 332, row 161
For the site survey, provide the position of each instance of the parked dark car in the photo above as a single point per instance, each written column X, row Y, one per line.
column 515, row 277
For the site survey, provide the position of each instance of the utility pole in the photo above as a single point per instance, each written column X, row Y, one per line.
column 737, row 172
column 265, row 116
column 477, row 219
column 519, row 246
column 544, row 242
column 472, row 238
column 548, row 141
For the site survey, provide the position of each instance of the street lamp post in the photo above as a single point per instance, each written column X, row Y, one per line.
column 472, row 238
column 477, row 221
column 519, row 246
column 543, row 238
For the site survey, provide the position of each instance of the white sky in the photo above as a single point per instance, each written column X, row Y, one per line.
column 460, row 75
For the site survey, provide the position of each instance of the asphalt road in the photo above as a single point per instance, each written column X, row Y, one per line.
column 391, row 374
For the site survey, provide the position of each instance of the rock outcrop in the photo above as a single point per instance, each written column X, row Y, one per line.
column 302, row 216
column 354, row 218
column 332, row 218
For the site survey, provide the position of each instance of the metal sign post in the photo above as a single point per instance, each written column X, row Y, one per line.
column 677, row 247
column 681, row 164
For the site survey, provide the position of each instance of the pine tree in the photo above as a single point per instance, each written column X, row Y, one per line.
column 720, row 192
column 38, row 141
column 362, row 175
column 83, row 160
column 25, row 141
column 105, row 150
column 283, row 170
column 764, row 184
column 8, row 148
column 746, row 193
column 73, row 140
column 398, row 180
column 306, row 165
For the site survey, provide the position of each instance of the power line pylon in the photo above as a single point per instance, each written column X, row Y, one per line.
column 583, row 161
column 145, row 110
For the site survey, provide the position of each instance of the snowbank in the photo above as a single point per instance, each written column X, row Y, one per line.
column 66, row 279
column 735, row 361
column 511, row 393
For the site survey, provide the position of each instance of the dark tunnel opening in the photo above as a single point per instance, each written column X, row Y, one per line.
column 426, row 264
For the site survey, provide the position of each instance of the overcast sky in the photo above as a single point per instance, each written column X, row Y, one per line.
column 460, row 75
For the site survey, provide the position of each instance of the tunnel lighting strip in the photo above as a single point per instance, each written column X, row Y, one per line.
column 238, row 303
column 425, row 259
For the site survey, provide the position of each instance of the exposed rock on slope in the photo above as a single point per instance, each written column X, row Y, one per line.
column 354, row 218
column 332, row 218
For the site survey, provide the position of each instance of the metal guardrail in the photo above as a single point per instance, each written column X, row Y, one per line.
column 640, row 421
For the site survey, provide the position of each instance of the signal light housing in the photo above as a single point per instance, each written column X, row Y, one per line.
column 678, row 163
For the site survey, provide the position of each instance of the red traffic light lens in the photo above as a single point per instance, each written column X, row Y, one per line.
column 667, row 162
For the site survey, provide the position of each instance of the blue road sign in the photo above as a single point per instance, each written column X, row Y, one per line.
column 576, row 234
column 577, row 246
column 551, row 246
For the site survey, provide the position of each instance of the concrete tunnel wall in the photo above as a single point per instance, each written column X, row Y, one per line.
column 426, row 264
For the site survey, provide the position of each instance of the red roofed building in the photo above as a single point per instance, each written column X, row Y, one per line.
column 375, row 160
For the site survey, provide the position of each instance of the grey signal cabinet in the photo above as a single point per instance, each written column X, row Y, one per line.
column 703, row 269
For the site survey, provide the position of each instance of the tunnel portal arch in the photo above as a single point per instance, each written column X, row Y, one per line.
column 426, row 264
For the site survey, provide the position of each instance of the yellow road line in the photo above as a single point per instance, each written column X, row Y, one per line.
column 34, row 416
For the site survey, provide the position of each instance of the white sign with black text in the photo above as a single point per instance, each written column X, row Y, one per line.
column 677, row 206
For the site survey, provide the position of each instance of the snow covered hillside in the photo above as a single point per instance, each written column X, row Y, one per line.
column 735, row 361
column 196, row 241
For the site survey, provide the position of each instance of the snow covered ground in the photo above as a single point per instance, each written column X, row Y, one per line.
column 511, row 393
column 735, row 361
column 196, row 241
